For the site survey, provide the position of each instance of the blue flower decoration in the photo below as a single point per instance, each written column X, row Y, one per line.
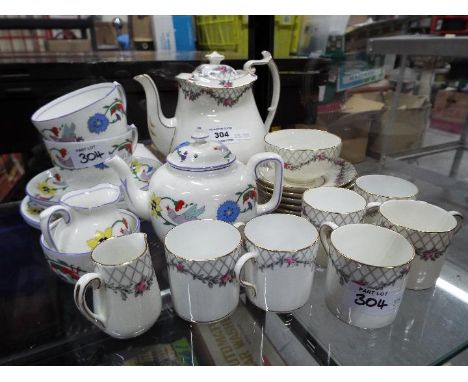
column 228, row 211
column 101, row 166
column 98, row 123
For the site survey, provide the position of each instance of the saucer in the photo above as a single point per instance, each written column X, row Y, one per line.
column 341, row 174
column 30, row 211
column 48, row 187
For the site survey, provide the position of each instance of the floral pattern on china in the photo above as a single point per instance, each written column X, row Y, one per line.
column 97, row 123
column 201, row 180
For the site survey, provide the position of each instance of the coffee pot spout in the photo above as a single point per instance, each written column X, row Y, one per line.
column 138, row 200
column 161, row 129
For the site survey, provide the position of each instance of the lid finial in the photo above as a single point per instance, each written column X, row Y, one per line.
column 215, row 58
column 199, row 134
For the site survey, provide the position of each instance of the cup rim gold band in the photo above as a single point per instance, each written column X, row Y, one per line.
column 126, row 262
column 386, row 196
column 239, row 245
column 418, row 230
column 370, row 265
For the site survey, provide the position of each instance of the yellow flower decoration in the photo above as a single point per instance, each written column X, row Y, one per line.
column 136, row 166
column 33, row 210
column 155, row 205
column 99, row 237
column 45, row 189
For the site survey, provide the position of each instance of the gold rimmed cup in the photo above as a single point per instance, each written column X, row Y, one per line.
column 367, row 272
column 279, row 267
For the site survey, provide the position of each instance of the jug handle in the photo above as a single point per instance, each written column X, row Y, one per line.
column 254, row 162
column 45, row 217
column 79, row 295
column 268, row 59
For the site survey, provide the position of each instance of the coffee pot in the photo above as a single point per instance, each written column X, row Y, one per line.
column 200, row 180
column 219, row 98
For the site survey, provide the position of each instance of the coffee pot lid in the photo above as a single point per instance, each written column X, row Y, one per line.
column 217, row 75
column 200, row 154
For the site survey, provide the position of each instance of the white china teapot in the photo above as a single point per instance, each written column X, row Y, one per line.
column 218, row 97
column 201, row 180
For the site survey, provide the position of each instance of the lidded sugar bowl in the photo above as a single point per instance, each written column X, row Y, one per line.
column 200, row 180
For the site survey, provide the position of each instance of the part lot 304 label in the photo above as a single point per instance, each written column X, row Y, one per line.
column 372, row 301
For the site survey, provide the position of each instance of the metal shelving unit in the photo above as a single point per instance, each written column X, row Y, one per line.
column 417, row 45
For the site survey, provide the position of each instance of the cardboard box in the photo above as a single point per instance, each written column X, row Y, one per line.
column 69, row 45
column 352, row 123
column 411, row 121
column 106, row 33
column 450, row 111
column 141, row 28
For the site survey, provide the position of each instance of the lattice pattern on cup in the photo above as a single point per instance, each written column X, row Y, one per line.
column 218, row 272
column 269, row 259
column 297, row 159
column 428, row 246
column 317, row 217
column 365, row 275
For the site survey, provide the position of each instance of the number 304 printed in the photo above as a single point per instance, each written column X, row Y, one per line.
column 369, row 301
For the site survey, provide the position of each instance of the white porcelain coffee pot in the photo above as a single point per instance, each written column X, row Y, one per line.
column 219, row 98
column 201, row 180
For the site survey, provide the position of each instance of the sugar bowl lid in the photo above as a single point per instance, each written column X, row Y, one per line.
column 217, row 75
column 200, row 154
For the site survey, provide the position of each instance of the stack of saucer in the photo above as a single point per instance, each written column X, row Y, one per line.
column 80, row 131
column 311, row 159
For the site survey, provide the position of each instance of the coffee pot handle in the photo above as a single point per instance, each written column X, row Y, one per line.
column 122, row 94
column 238, row 270
column 81, row 286
column 45, row 223
column 268, row 60
column 134, row 130
column 254, row 162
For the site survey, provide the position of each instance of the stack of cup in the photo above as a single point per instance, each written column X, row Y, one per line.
column 82, row 129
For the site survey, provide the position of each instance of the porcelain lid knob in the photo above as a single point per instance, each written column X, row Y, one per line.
column 199, row 135
column 215, row 58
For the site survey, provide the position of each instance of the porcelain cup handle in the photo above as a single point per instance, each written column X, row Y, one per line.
column 268, row 60
column 254, row 162
column 45, row 218
column 371, row 209
column 457, row 215
column 96, row 281
column 134, row 130
column 325, row 231
column 122, row 94
column 240, row 227
column 238, row 270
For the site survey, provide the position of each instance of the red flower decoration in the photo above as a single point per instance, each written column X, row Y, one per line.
column 63, row 152
column 290, row 260
column 226, row 278
column 180, row 267
column 253, row 194
column 179, row 205
column 55, row 131
column 141, row 286
column 58, row 177
column 125, row 222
